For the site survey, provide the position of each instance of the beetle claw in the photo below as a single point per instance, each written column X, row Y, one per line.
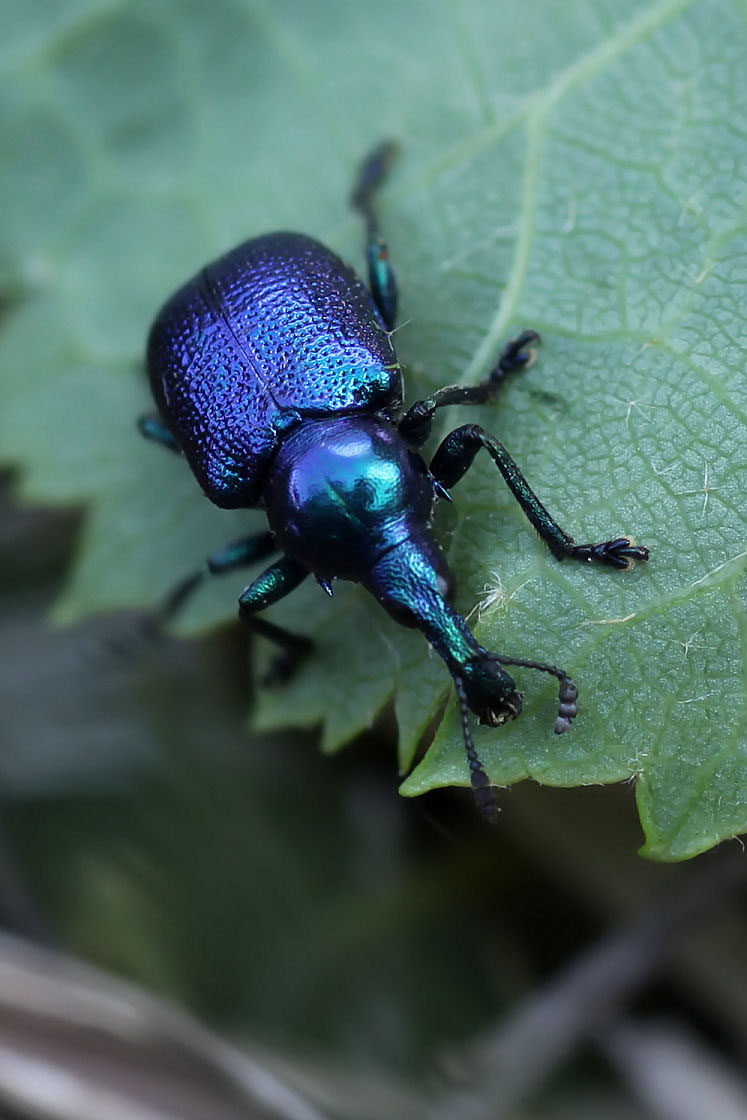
column 622, row 552
column 515, row 353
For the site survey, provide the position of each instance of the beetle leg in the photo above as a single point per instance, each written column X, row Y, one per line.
column 454, row 458
column 415, row 425
column 248, row 550
column 382, row 281
column 153, row 427
column 273, row 584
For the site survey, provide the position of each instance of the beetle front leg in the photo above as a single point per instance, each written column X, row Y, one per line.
column 454, row 458
column 415, row 425
column 382, row 281
column 273, row 584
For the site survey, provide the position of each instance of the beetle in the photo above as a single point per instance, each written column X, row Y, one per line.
column 274, row 373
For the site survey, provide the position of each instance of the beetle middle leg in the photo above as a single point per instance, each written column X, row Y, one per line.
column 273, row 584
column 239, row 554
column 153, row 427
column 382, row 281
column 455, row 456
column 415, row 425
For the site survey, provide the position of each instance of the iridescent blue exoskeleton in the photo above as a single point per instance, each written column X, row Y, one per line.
column 274, row 373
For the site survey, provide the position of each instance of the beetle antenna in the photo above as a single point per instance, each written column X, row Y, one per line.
column 483, row 791
column 567, row 694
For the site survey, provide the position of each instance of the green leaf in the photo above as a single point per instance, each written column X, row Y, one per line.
column 573, row 168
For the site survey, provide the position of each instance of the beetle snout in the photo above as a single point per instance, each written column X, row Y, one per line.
column 490, row 691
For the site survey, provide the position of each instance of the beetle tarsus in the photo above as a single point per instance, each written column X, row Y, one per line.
column 622, row 552
column 515, row 354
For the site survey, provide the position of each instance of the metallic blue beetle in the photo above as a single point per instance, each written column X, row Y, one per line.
column 275, row 375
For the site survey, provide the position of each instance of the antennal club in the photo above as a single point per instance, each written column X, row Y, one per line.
column 567, row 706
column 567, row 694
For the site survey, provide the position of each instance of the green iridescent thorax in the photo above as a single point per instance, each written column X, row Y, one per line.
column 344, row 491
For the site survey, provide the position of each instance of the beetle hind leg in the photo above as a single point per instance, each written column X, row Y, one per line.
column 382, row 281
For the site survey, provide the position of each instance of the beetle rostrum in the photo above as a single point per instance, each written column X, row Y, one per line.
column 274, row 373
